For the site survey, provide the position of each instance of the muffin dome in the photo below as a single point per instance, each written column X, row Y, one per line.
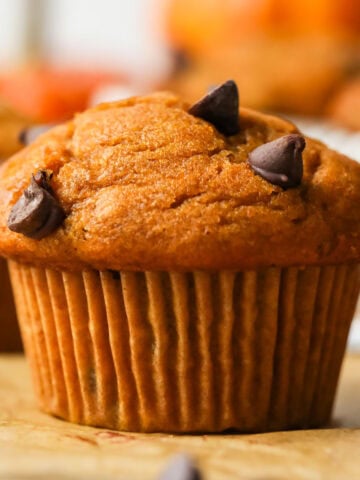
column 145, row 185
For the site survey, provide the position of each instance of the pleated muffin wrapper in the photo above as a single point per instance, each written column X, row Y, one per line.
column 252, row 351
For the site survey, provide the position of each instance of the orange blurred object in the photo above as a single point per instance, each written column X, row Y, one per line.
column 344, row 108
column 288, row 74
column 50, row 95
column 197, row 25
column 339, row 17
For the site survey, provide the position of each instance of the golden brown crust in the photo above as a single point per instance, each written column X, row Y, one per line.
column 147, row 186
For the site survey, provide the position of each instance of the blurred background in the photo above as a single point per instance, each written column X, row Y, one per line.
column 298, row 58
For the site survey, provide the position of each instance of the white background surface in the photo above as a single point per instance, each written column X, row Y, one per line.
column 124, row 34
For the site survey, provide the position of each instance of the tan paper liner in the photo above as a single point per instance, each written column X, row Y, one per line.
column 187, row 352
column 9, row 330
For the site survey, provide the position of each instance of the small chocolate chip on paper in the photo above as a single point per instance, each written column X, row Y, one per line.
column 280, row 161
column 220, row 107
column 37, row 213
column 181, row 467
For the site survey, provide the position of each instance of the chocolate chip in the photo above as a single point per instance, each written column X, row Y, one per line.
column 30, row 134
column 220, row 107
column 37, row 213
column 42, row 178
column 181, row 467
column 280, row 162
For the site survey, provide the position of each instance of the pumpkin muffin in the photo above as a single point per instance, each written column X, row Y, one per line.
column 183, row 268
column 11, row 124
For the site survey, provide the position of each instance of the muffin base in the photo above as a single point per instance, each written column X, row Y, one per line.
column 249, row 351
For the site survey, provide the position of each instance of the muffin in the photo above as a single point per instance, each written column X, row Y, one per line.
column 182, row 269
column 344, row 109
column 11, row 124
column 297, row 75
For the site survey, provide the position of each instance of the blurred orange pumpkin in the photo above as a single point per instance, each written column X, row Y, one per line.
column 196, row 25
column 46, row 94
column 318, row 16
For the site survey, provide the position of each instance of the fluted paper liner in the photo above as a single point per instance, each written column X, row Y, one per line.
column 187, row 352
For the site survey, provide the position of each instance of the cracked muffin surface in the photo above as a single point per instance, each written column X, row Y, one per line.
column 147, row 186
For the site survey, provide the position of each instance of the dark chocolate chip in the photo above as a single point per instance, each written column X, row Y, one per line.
column 42, row 178
column 181, row 467
column 220, row 107
column 29, row 134
column 37, row 213
column 280, row 162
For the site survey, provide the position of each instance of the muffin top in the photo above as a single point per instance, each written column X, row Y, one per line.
column 147, row 184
